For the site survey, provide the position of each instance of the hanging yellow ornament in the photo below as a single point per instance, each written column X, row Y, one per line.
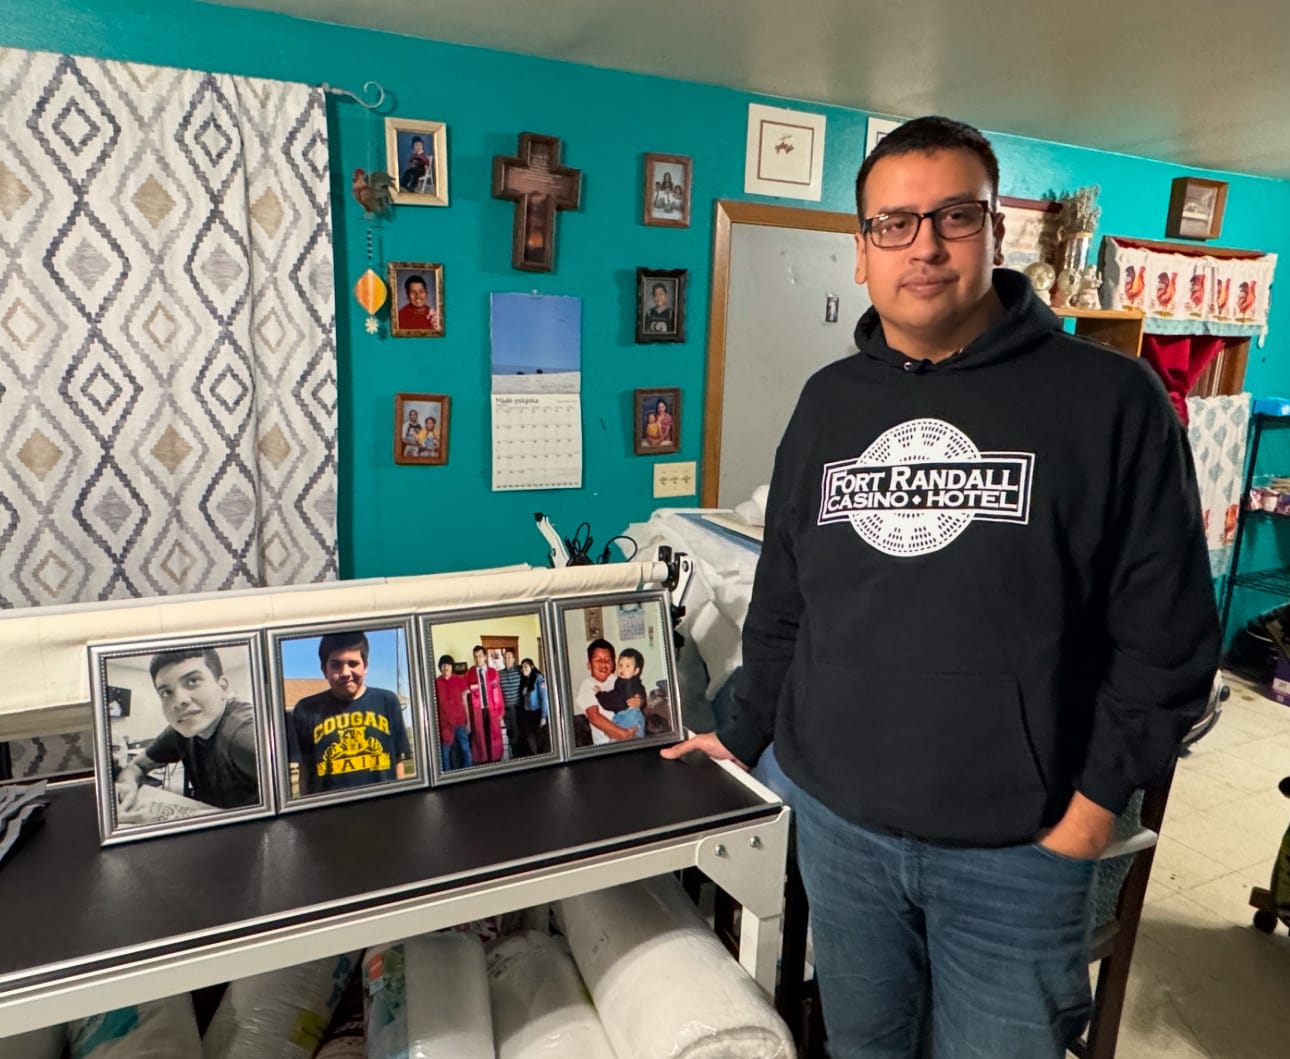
column 370, row 292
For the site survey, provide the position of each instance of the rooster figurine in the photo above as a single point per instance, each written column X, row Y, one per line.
column 373, row 193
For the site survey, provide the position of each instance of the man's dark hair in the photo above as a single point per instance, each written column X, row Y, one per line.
column 924, row 135
column 342, row 641
column 407, row 284
column 169, row 658
column 635, row 656
column 446, row 660
column 600, row 645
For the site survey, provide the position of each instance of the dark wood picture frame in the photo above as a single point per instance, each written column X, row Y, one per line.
column 657, row 438
column 665, row 202
column 1196, row 208
column 431, row 275
column 420, row 450
column 660, row 321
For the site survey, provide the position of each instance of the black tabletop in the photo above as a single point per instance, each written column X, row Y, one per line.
column 67, row 901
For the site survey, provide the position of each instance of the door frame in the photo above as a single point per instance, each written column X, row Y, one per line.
column 730, row 212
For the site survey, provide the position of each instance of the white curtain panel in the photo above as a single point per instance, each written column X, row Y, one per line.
column 167, row 332
column 1217, row 428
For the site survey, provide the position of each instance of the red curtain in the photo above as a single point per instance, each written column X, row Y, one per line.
column 1179, row 361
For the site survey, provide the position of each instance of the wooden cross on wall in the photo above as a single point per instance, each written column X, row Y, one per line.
column 539, row 186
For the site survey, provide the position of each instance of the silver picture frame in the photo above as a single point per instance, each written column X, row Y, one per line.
column 467, row 743
column 192, row 751
column 589, row 629
column 346, row 749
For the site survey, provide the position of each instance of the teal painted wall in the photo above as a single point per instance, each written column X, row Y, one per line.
column 399, row 520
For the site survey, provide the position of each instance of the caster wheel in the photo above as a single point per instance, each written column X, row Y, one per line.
column 1265, row 921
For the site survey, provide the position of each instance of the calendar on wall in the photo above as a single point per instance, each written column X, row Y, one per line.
column 537, row 391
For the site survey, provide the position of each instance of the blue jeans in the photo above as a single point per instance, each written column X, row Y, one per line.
column 983, row 950
column 461, row 744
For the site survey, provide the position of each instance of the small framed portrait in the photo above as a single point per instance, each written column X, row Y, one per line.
column 1196, row 208
column 417, row 157
column 660, row 304
column 347, row 711
column 421, row 428
column 620, row 687
column 179, row 732
column 658, row 421
column 1029, row 231
column 416, row 299
column 666, row 202
column 494, row 706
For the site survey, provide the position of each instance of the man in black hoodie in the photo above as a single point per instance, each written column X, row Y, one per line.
column 982, row 617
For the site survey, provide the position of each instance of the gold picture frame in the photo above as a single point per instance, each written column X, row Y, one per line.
column 420, row 177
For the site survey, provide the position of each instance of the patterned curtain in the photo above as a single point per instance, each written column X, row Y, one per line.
column 1217, row 432
column 167, row 332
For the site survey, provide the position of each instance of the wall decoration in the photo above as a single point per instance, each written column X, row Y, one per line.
column 618, row 688
column 421, row 428
column 785, row 153
column 1029, row 231
column 151, row 777
column 370, row 293
column 417, row 309
column 660, row 304
column 540, row 187
column 417, row 158
column 476, row 729
column 536, row 384
column 346, row 710
column 1196, row 208
column 666, row 201
column 876, row 129
column 657, row 414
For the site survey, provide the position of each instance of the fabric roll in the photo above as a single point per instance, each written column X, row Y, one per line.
column 662, row 982
column 159, row 1029
column 282, row 1013
column 540, row 1006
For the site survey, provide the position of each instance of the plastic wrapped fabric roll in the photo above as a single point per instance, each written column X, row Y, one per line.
column 281, row 1013
column 662, row 982
column 540, row 1006
column 47, row 1043
column 159, row 1029
column 427, row 998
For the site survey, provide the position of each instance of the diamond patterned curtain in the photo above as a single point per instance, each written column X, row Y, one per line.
column 167, row 332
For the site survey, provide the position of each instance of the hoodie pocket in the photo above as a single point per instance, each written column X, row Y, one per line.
column 945, row 757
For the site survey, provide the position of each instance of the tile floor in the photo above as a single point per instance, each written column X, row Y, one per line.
column 1204, row 982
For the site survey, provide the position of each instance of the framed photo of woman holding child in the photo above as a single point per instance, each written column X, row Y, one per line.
column 657, row 416
column 619, row 688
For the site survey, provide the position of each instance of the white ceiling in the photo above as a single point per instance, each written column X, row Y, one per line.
column 1199, row 82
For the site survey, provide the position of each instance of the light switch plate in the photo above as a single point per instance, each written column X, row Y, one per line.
column 674, row 479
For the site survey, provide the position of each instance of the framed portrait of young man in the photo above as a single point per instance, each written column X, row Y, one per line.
column 660, row 304
column 190, row 749
column 494, row 706
column 416, row 299
column 619, row 688
column 348, row 717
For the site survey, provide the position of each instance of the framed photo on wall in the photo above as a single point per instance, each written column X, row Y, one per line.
column 416, row 299
column 494, row 703
column 348, row 718
column 421, row 428
column 620, row 688
column 190, row 751
column 660, row 304
column 666, row 202
column 417, row 158
column 1029, row 231
column 657, row 416
column 1196, row 208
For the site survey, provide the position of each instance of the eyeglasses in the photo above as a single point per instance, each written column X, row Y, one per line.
column 958, row 220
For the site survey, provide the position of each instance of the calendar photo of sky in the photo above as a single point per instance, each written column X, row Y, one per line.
column 536, row 343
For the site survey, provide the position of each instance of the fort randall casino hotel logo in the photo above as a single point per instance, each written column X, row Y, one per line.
column 920, row 484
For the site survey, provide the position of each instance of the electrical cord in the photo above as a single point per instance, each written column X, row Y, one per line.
column 604, row 556
column 579, row 547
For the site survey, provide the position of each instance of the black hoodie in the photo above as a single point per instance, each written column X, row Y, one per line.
column 983, row 583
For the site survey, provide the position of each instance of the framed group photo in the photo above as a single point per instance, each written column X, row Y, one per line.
column 179, row 734
column 657, row 414
column 417, row 158
column 421, row 428
column 347, row 711
column 660, row 304
column 617, row 662
column 494, row 705
column 416, row 299
column 666, row 202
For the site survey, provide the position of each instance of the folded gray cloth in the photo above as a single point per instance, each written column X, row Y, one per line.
column 21, row 809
